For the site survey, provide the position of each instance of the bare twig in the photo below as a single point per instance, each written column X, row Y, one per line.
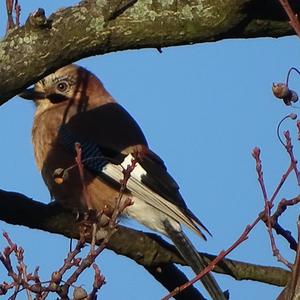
column 268, row 206
column 80, row 166
column 21, row 280
column 10, row 20
column 280, row 184
column 289, row 74
column 99, row 280
column 214, row 262
column 119, row 207
column 69, row 262
column 294, row 21
column 12, row 5
column 282, row 206
column 289, row 149
column 265, row 215
column 286, row 234
column 18, row 12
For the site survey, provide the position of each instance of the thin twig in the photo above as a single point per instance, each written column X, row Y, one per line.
column 282, row 206
column 85, row 193
column 268, row 206
column 99, row 280
column 280, row 184
column 289, row 149
column 18, row 13
column 294, row 22
column 9, row 9
column 119, row 208
column 214, row 262
column 289, row 74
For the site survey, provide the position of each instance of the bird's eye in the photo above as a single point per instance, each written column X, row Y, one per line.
column 62, row 86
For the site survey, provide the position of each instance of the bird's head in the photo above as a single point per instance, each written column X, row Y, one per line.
column 71, row 83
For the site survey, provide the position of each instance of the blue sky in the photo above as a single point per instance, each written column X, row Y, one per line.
column 203, row 109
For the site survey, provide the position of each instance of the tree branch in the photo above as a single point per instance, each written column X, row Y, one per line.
column 28, row 53
column 153, row 252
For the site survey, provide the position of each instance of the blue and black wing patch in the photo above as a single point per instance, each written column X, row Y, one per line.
column 92, row 156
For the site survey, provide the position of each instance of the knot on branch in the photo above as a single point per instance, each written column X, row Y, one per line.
column 38, row 19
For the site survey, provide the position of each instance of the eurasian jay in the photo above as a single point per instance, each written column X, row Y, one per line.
column 72, row 106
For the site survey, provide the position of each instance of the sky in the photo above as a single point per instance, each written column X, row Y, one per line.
column 203, row 108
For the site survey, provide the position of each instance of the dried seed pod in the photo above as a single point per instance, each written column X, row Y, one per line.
column 60, row 175
column 282, row 91
column 56, row 277
column 80, row 293
column 293, row 116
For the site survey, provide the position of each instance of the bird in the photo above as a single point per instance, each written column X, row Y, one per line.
column 73, row 107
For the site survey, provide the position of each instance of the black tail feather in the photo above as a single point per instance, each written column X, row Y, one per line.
column 194, row 260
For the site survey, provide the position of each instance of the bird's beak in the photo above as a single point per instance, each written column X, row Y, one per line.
column 31, row 94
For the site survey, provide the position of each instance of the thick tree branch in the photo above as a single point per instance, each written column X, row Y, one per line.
column 94, row 27
column 146, row 249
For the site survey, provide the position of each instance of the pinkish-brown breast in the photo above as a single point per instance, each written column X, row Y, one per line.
column 50, row 155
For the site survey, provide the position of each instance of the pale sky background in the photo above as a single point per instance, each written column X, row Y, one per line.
column 203, row 109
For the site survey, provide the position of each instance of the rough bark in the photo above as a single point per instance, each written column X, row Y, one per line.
column 146, row 249
column 94, row 27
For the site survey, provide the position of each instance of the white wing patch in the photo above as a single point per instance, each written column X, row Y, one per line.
column 149, row 208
